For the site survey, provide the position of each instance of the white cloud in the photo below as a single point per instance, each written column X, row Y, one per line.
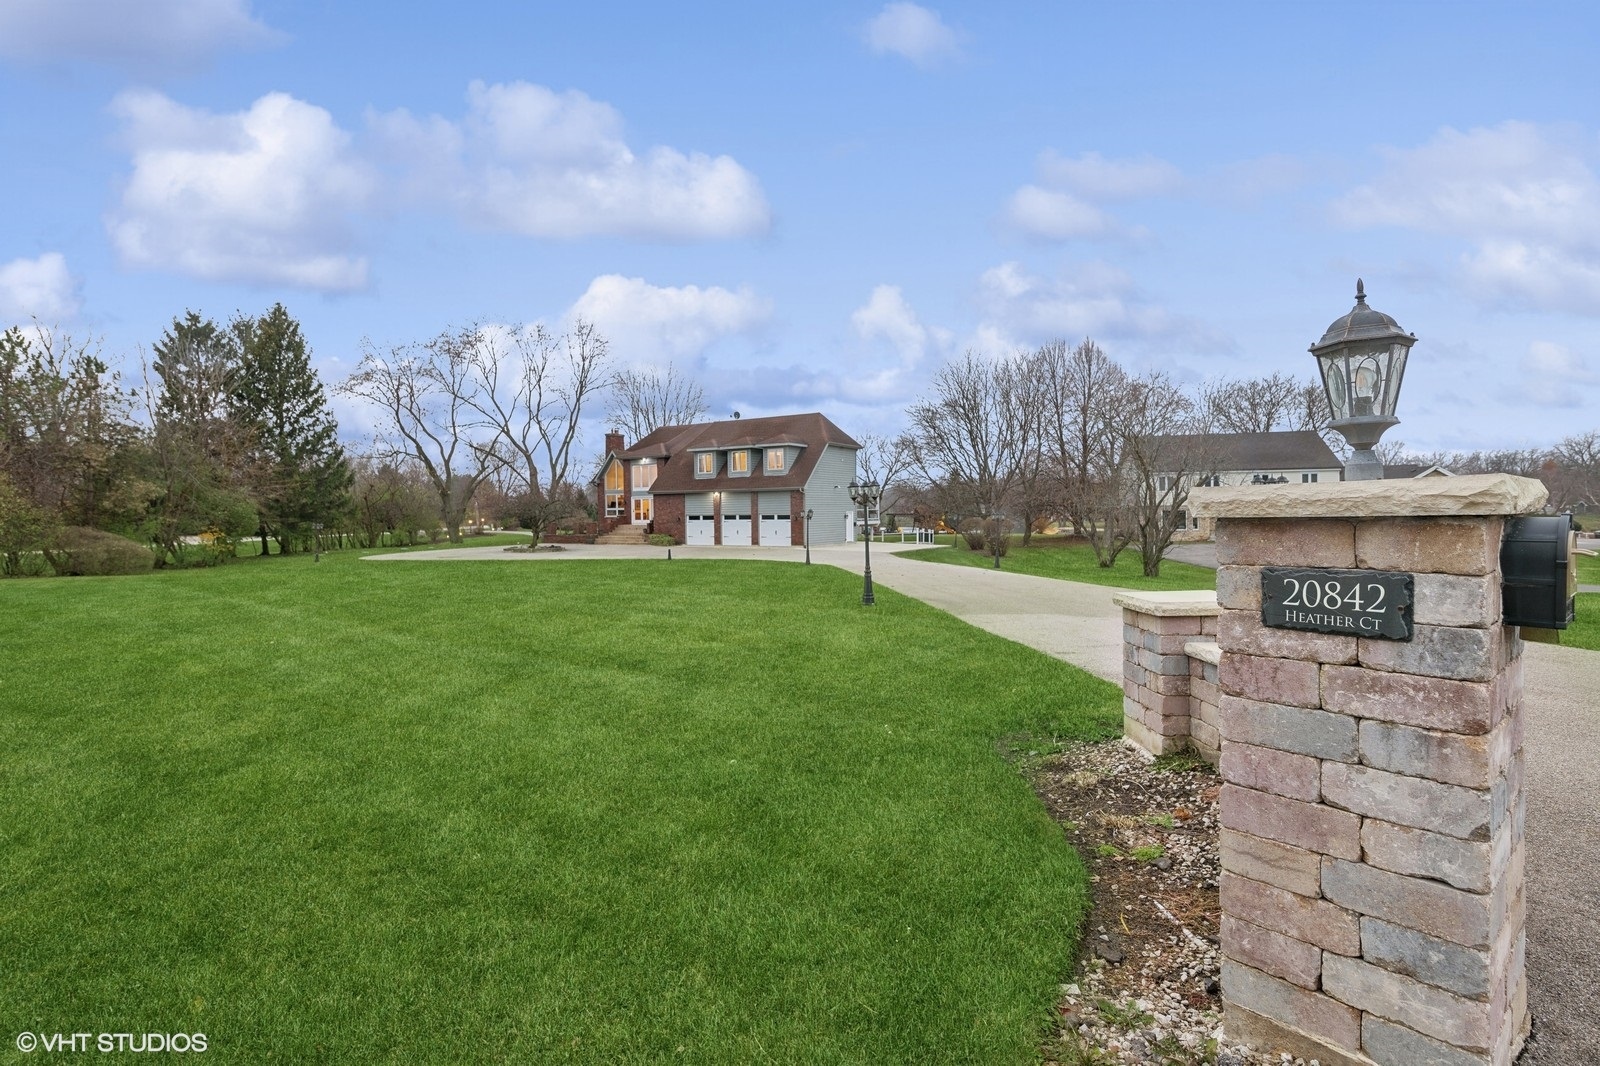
column 1065, row 203
column 887, row 316
column 528, row 160
column 1554, row 375
column 1051, row 214
column 651, row 323
column 263, row 195
column 1098, row 178
column 39, row 288
column 1091, row 300
column 147, row 35
column 1526, row 197
column 912, row 32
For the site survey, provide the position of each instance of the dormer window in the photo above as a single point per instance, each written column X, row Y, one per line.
column 739, row 462
column 775, row 460
column 705, row 464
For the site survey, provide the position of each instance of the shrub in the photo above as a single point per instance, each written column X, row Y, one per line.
column 972, row 533
column 994, row 535
column 662, row 540
column 85, row 552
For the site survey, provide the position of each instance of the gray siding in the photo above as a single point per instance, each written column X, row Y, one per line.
column 827, row 494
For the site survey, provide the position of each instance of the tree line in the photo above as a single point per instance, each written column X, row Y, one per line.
column 229, row 438
column 1067, row 434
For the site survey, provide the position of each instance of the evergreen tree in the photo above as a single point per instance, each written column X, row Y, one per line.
column 302, row 477
column 199, row 448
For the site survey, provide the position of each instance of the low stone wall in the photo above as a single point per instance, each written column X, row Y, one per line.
column 1169, row 671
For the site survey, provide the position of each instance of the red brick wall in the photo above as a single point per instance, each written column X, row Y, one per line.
column 669, row 517
column 797, row 517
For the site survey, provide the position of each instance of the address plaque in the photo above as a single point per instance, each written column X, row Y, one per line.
column 1360, row 603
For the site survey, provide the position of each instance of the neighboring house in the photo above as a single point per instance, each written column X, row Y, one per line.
column 1279, row 457
column 743, row 481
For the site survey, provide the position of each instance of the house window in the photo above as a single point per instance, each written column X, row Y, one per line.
column 1210, row 481
column 614, row 477
column 774, row 459
column 613, row 504
column 644, row 474
column 705, row 464
column 739, row 462
column 1306, row 479
column 1163, row 483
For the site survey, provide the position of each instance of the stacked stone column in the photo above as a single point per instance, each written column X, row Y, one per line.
column 1372, row 806
column 1157, row 627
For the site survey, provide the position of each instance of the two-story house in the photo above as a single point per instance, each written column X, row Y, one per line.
column 742, row 481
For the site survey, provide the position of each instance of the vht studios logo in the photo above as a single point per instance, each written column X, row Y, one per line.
column 108, row 1042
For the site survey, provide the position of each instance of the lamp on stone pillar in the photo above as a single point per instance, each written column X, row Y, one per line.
column 1362, row 359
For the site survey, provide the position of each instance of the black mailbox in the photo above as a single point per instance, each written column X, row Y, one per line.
column 1539, row 569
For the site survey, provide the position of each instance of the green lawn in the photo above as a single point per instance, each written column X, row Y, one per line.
column 1075, row 562
column 1588, row 566
column 610, row 812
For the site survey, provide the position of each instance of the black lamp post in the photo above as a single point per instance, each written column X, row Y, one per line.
column 1362, row 359
column 808, row 536
column 865, row 494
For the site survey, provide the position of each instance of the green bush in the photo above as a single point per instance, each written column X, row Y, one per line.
column 84, row 552
column 662, row 540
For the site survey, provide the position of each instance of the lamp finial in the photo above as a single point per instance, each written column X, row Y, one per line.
column 1361, row 292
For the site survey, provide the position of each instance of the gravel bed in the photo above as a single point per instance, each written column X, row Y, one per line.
column 1147, row 989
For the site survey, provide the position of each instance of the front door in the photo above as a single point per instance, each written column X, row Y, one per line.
column 641, row 510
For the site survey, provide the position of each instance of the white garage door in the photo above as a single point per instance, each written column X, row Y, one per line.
column 700, row 519
column 775, row 515
column 735, row 518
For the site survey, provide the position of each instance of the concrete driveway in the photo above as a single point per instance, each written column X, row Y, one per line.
column 1080, row 625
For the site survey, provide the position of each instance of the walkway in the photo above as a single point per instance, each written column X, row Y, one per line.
column 1080, row 625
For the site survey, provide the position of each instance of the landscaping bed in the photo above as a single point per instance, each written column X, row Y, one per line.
column 1147, row 989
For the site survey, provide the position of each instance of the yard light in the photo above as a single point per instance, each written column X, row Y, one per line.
column 1362, row 359
column 865, row 495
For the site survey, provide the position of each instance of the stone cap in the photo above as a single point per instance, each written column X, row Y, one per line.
column 1207, row 651
column 1427, row 497
column 1199, row 604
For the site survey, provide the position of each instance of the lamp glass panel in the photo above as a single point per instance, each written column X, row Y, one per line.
column 1335, row 379
column 1397, row 372
column 1367, row 382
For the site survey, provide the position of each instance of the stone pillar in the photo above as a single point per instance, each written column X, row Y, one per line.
column 1372, row 805
column 1157, row 672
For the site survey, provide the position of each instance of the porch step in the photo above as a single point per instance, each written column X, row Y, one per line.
column 623, row 535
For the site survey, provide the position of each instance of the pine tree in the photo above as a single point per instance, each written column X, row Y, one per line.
column 198, row 447
column 302, row 476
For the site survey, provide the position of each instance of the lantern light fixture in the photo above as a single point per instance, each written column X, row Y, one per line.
column 1362, row 360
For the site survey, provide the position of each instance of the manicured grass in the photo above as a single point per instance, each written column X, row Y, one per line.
column 1584, row 632
column 1076, row 562
column 1588, row 566
column 560, row 811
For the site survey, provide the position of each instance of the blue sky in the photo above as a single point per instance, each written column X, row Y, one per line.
column 811, row 206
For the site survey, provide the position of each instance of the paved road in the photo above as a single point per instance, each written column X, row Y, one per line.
column 1079, row 624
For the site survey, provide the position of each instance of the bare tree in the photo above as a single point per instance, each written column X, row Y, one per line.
column 425, row 394
column 975, row 434
column 1254, row 405
column 1166, row 452
column 530, row 390
column 643, row 399
column 885, row 460
column 1082, row 393
column 1575, row 481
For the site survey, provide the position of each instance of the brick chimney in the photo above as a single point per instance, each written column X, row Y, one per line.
column 613, row 442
